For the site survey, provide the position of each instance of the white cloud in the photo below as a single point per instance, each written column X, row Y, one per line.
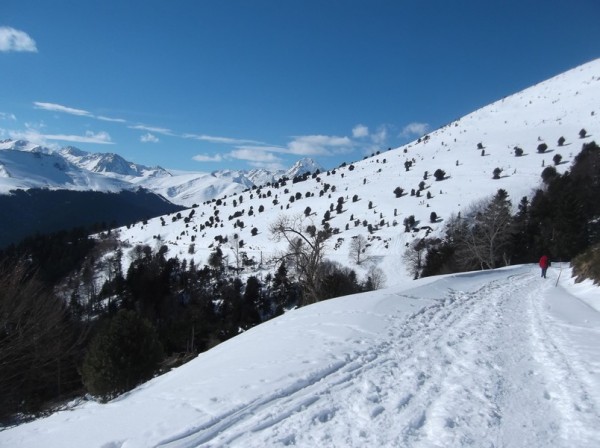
column 15, row 40
column 101, row 138
column 64, row 109
column 255, row 155
column 309, row 145
column 207, row 158
column 149, row 138
column 360, row 131
column 414, row 129
column 215, row 139
column 380, row 137
column 142, row 127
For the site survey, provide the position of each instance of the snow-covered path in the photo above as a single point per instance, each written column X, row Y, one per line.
column 493, row 359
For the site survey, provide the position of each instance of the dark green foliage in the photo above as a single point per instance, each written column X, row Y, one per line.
column 497, row 172
column 433, row 217
column 556, row 159
column 542, row 147
column 53, row 255
column 337, row 281
column 123, row 354
column 562, row 220
column 439, row 174
column 398, row 192
column 548, row 174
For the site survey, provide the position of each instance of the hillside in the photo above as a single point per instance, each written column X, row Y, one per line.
column 494, row 358
column 467, row 150
column 40, row 211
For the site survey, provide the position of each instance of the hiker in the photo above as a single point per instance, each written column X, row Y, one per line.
column 544, row 263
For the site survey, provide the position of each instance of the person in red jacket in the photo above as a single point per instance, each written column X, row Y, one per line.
column 544, row 263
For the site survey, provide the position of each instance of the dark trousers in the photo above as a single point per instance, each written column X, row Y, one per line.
column 544, row 272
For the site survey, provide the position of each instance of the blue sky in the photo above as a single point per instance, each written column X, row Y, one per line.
column 206, row 85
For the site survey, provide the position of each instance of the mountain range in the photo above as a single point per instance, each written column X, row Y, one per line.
column 24, row 165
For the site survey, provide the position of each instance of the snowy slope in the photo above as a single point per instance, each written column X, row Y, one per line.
column 498, row 358
column 561, row 106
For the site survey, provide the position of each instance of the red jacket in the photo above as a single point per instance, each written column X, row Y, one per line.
column 544, row 262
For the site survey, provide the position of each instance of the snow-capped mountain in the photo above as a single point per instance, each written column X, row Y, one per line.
column 109, row 164
column 24, row 166
column 72, row 168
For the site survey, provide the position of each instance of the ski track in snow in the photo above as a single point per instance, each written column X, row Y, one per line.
column 485, row 368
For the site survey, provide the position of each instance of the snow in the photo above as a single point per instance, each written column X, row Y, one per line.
column 497, row 358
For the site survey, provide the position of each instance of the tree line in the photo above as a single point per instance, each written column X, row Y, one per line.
column 66, row 329
column 561, row 220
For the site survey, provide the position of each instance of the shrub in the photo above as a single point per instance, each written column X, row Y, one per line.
column 518, row 151
column 123, row 354
column 433, row 217
column 497, row 172
column 561, row 141
column 582, row 133
column 556, row 159
column 542, row 147
column 439, row 174
column 398, row 192
column 548, row 174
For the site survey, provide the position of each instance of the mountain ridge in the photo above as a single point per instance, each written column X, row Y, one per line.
column 111, row 172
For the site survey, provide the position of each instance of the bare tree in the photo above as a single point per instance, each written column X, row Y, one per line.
column 37, row 342
column 375, row 278
column 414, row 257
column 305, row 252
column 234, row 245
column 482, row 237
column 358, row 249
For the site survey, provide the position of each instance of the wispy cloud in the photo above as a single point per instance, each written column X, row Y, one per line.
column 414, row 129
column 224, row 140
column 16, row 40
column 207, row 158
column 63, row 109
column 380, row 136
column 143, row 127
column 113, row 120
column 360, row 131
column 53, row 107
column 102, row 138
column 149, row 138
column 7, row 116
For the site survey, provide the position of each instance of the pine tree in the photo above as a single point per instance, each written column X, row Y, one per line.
column 123, row 354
